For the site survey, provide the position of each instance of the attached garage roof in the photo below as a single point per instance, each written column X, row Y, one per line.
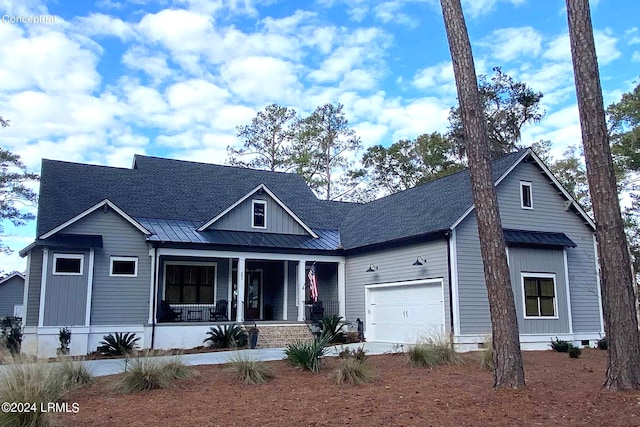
column 537, row 238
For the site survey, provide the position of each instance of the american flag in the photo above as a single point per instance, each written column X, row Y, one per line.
column 313, row 283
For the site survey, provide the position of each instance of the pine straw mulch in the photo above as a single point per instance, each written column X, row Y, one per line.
column 560, row 391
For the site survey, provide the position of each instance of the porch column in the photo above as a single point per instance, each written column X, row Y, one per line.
column 43, row 285
column 240, row 299
column 285, row 291
column 342, row 291
column 87, row 311
column 300, row 283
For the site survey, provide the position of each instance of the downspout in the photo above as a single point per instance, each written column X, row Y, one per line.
column 155, row 295
column 451, row 330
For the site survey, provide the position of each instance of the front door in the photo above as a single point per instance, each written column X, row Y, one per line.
column 252, row 294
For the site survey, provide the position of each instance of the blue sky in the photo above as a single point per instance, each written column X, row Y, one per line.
column 113, row 78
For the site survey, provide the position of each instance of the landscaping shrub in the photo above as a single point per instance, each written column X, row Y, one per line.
column 65, row 339
column 119, row 344
column 603, row 344
column 332, row 329
column 307, row 354
column 73, row 374
column 149, row 373
column 35, row 383
column 560, row 346
column 249, row 370
column 226, row 336
column 353, row 371
column 433, row 352
column 486, row 356
column 11, row 337
column 574, row 352
column 358, row 353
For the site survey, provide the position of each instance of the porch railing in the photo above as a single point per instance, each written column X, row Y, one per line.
column 195, row 313
column 331, row 308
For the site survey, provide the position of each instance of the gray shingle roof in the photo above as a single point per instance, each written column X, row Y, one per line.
column 193, row 193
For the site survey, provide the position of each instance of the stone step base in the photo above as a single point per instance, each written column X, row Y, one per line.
column 282, row 335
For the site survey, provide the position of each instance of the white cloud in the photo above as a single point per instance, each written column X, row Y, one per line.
column 476, row 8
column 559, row 48
column 507, row 44
column 154, row 64
column 99, row 24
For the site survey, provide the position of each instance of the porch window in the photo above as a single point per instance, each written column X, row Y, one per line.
column 539, row 295
column 190, row 284
column 259, row 214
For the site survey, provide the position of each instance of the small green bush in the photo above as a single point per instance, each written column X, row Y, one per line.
column 249, row 370
column 119, row 344
column 574, row 352
column 73, row 374
column 11, row 337
column 307, row 354
column 353, row 371
column 226, row 336
column 433, row 352
column 560, row 346
column 486, row 355
column 358, row 353
column 603, row 344
column 332, row 329
column 148, row 373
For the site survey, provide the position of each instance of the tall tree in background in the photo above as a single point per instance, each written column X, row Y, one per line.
column 624, row 120
column 508, row 105
column 325, row 142
column 408, row 163
column 507, row 357
column 267, row 141
column 618, row 300
column 13, row 189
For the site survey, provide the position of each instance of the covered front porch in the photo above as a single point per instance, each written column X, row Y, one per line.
column 198, row 287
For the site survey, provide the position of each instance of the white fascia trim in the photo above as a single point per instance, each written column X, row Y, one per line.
column 87, row 313
column 453, row 256
column 597, row 262
column 248, row 255
column 546, row 170
column 11, row 276
column 249, row 194
column 43, row 285
column 566, row 280
column 27, row 283
column 95, row 207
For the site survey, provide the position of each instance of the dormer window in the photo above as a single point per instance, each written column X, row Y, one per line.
column 526, row 195
column 259, row 219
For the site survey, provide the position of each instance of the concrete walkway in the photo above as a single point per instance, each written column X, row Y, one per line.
column 115, row 366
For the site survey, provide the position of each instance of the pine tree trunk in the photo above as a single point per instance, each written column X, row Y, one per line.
column 618, row 300
column 507, row 356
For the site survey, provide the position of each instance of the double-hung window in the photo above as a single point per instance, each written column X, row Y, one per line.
column 539, row 295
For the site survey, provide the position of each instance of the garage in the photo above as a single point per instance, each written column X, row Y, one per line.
column 404, row 312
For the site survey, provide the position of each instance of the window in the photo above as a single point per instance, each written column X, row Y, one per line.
column 190, row 284
column 259, row 214
column 124, row 266
column 526, row 195
column 68, row 264
column 539, row 295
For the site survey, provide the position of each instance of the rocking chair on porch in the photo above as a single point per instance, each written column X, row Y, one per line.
column 167, row 314
column 219, row 312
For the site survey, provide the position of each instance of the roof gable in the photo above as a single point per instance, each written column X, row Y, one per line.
column 260, row 188
column 11, row 276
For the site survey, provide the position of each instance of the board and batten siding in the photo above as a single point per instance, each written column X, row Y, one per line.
column 395, row 265
column 11, row 294
column 116, row 300
column 33, row 293
column 532, row 261
column 548, row 214
column 66, row 295
column 241, row 217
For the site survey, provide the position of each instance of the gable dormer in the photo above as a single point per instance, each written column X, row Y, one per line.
column 260, row 210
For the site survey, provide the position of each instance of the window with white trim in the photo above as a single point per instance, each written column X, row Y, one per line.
column 68, row 264
column 539, row 295
column 123, row 266
column 259, row 217
column 526, row 195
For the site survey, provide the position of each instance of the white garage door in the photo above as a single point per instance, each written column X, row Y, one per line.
column 405, row 312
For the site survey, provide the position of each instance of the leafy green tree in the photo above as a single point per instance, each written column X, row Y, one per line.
column 14, row 190
column 624, row 124
column 508, row 105
column 408, row 163
column 267, row 141
column 323, row 151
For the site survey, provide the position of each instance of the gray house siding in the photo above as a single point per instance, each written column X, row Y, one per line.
column 33, row 293
column 395, row 265
column 116, row 300
column 240, row 218
column 548, row 214
column 11, row 294
column 533, row 261
column 66, row 296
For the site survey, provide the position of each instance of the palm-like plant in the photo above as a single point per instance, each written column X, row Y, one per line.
column 332, row 329
column 307, row 354
column 226, row 336
column 118, row 344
